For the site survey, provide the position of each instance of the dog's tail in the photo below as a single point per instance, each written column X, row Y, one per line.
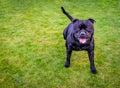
column 67, row 14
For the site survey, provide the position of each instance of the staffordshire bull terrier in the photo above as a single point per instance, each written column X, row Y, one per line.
column 79, row 36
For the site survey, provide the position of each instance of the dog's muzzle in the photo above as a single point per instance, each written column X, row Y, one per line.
column 83, row 38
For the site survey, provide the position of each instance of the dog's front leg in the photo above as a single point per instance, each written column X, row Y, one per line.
column 91, row 58
column 68, row 55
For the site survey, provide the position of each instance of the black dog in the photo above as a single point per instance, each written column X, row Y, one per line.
column 79, row 36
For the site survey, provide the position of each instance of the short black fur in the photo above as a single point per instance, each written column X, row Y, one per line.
column 79, row 35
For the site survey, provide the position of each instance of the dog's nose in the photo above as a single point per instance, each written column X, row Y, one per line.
column 82, row 33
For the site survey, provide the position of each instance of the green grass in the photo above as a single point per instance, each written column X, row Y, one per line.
column 32, row 51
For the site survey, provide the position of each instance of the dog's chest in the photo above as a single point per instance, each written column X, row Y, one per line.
column 80, row 47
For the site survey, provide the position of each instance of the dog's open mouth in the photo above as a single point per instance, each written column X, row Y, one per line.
column 83, row 40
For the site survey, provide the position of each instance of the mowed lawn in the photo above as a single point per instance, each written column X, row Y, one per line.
column 32, row 48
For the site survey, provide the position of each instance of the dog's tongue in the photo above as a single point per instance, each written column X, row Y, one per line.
column 83, row 40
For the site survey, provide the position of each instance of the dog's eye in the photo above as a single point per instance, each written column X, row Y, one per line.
column 79, row 28
column 88, row 29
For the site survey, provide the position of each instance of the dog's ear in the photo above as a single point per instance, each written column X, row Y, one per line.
column 91, row 20
column 74, row 20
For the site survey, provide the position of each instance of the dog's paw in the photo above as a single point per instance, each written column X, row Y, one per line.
column 94, row 71
column 67, row 64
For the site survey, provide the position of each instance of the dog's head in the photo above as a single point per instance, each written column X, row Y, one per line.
column 83, row 30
